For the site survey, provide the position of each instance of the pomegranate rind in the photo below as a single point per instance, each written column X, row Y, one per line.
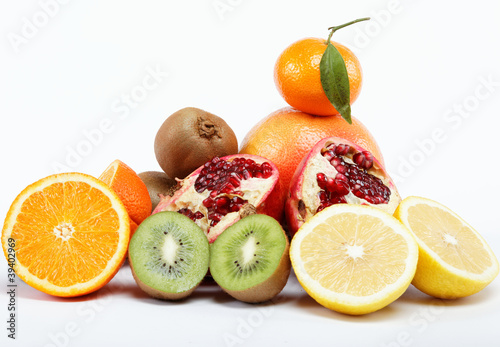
column 302, row 201
column 262, row 193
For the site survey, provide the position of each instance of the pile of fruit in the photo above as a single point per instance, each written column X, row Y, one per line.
column 310, row 173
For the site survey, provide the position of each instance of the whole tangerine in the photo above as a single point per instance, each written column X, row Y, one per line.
column 297, row 76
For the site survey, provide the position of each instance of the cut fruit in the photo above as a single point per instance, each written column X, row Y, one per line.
column 169, row 255
column 71, row 233
column 354, row 259
column 131, row 190
column 217, row 194
column 337, row 171
column 454, row 260
column 250, row 259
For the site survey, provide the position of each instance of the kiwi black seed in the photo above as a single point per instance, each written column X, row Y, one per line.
column 169, row 255
column 157, row 183
column 250, row 259
column 189, row 138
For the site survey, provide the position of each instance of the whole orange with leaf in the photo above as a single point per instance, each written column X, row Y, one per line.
column 297, row 76
column 318, row 76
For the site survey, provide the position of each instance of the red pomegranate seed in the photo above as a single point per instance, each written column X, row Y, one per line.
column 267, row 173
column 208, row 202
column 236, row 199
column 266, row 166
column 368, row 160
column 342, row 149
column 322, row 195
column 341, row 168
column 363, row 159
column 228, row 188
column 215, row 217
column 222, row 201
column 342, row 187
column 246, row 174
column 329, row 155
column 359, row 194
column 330, row 185
column 222, row 210
column 236, row 176
column 234, row 181
column 341, row 177
column 331, row 147
column 336, row 161
column 321, row 177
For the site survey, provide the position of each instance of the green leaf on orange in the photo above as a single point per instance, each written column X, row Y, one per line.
column 335, row 81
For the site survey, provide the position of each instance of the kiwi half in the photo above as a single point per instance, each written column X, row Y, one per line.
column 169, row 255
column 250, row 259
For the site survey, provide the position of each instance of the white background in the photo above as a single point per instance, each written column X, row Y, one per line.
column 422, row 61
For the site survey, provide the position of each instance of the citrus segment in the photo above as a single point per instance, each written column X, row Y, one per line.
column 455, row 261
column 354, row 259
column 71, row 234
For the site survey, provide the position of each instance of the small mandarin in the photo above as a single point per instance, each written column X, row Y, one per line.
column 297, row 76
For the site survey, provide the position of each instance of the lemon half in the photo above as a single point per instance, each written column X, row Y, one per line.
column 354, row 259
column 454, row 260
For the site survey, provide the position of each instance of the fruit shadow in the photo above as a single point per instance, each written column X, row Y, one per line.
column 110, row 289
column 413, row 296
column 207, row 290
column 307, row 304
column 122, row 283
column 211, row 291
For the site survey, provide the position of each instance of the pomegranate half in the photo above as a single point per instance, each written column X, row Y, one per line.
column 223, row 190
column 337, row 171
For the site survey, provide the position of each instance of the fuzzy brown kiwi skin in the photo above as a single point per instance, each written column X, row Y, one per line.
column 157, row 183
column 158, row 294
column 189, row 138
column 269, row 288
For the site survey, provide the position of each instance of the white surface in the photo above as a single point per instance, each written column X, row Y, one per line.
column 418, row 65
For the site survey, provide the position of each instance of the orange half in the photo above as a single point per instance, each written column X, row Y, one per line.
column 71, row 233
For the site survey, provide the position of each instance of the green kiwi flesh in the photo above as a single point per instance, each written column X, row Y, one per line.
column 169, row 255
column 250, row 259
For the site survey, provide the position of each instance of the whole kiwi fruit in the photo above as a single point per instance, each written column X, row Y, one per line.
column 189, row 138
column 157, row 183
